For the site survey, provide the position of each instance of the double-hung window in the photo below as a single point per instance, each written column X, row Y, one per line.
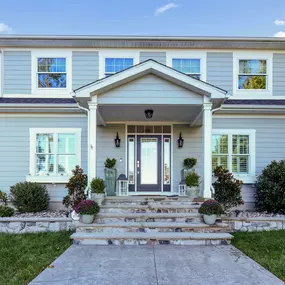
column 113, row 65
column 252, row 74
column 54, row 152
column 190, row 67
column 234, row 150
column 51, row 72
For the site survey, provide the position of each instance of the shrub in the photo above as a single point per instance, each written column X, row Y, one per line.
column 6, row 211
column 192, row 179
column 270, row 188
column 189, row 163
column 97, row 185
column 29, row 197
column 76, row 188
column 211, row 207
column 87, row 207
column 110, row 163
column 3, row 197
column 227, row 188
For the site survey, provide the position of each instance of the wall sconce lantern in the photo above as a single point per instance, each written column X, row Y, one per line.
column 148, row 113
column 180, row 141
column 117, row 140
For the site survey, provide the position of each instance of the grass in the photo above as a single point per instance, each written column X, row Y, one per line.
column 266, row 248
column 24, row 256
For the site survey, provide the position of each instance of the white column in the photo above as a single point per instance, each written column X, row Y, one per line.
column 207, row 132
column 92, row 140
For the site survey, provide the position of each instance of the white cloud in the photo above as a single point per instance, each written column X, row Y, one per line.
column 5, row 28
column 164, row 8
column 280, row 34
column 279, row 22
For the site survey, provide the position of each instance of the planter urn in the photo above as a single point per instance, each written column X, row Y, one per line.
column 110, row 180
column 99, row 198
column 87, row 219
column 210, row 219
column 193, row 192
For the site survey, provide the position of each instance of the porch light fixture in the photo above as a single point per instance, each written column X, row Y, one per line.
column 148, row 113
column 117, row 140
column 180, row 141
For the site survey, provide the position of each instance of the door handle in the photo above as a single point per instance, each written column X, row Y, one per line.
column 138, row 164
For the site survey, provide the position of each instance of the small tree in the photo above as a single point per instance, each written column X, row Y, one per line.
column 270, row 188
column 76, row 187
column 227, row 188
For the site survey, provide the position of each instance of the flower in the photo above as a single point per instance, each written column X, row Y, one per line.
column 87, row 207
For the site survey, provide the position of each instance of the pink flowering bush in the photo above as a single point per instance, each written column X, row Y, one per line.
column 87, row 207
column 211, row 207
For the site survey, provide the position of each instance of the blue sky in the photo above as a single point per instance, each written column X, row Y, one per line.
column 144, row 17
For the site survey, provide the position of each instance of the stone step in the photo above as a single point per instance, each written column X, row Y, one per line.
column 140, row 238
column 148, row 227
column 147, row 217
column 151, row 207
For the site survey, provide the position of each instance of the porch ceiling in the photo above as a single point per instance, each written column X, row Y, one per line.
column 176, row 113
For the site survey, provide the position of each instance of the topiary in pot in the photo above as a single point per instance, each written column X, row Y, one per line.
column 97, row 186
column 29, row 197
column 227, row 188
column 189, row 163
column 270, row 188
column 192, row 181
column 210, row 209
column 110, row 176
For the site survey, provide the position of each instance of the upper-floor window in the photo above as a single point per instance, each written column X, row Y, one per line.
column 189, row 66
column 252, row 74
column 113, row 65
column 51, row 72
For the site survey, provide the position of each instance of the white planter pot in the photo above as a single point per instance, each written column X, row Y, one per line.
column 193, row 192
column 99, row 198
column 87, row 219
column 210, row 219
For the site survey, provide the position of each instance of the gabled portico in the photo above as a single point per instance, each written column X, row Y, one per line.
column 183, row 103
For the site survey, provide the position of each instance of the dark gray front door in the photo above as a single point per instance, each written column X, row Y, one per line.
column 148, row 163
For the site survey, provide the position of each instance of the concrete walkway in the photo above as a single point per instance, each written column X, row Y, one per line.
column 155, row 265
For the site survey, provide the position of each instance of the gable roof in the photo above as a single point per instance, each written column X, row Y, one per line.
column 150, row 66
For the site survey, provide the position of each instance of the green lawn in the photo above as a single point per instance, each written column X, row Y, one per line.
column 266, row 248
column 24, row 256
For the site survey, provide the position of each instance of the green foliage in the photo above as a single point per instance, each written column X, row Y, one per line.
column 97, row 185
column 6, row 211
column 3, row 197
column 110, row 163
column 255, row 82
column 227, row 188
column 211, row 207
column 29, row 197
column 192, row 179
column 189, row 163
column 76, row 187
column 270, row 188
column 87, row 207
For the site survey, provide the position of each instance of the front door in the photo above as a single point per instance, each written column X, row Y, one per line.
column 148, row 163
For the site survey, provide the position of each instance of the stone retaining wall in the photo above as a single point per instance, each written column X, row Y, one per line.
column 255, row 224
column 35, row 225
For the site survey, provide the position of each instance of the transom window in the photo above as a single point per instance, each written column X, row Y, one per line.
column 113, row 65
column 149, row 129
column 252, row 74
column 51, row 72
column 189, row 66
column 54, row 153
column 234, row 152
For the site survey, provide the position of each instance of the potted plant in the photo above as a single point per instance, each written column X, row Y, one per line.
column 188, row 164
column 87, row 210
column 210, row 209
column 110, row 176
column 97, row 186
column 192, row 181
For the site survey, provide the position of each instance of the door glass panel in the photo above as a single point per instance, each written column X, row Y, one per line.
column 149, row 163
column 131, row 161
column 148, row 129
column 140, row 129
column 166, row 160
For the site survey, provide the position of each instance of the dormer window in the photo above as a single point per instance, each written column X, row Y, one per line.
column 51, row 72
column 188, row 66
column 113, row 65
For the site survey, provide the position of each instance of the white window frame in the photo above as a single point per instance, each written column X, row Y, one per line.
column 51, row 178
column 190, row 74
column 103, row 54
column 251, row 176
column 111, row 73
column 252, row 93
column 67, row 54
column 202, row 55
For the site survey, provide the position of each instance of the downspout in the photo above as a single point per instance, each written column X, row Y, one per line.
column 87, row 189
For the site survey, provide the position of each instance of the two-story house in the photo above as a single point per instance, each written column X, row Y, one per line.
column 64, row 99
